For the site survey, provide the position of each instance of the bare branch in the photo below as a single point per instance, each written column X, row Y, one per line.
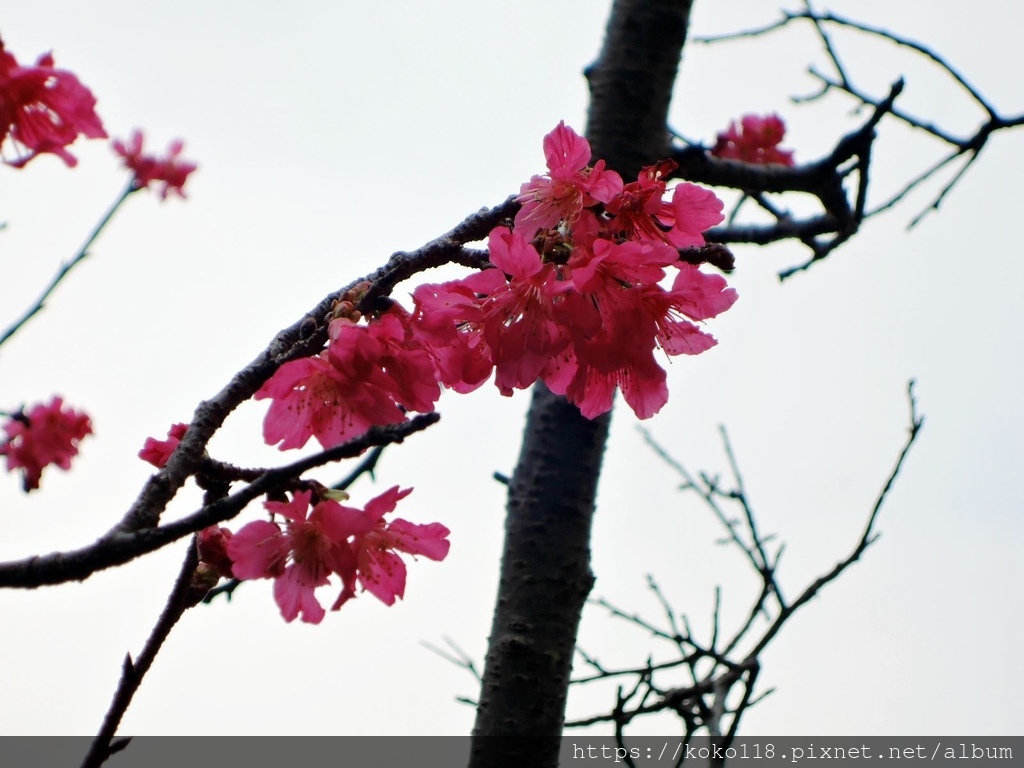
column 841, row 218
column 703, row 704
column 182, row 597
column 456, row 656
column 66, row 268
column 116, row 548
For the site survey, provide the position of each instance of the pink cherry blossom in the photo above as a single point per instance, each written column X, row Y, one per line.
column 448, row 320
column 41, row 436
column 332, row 398
column 379, row 570
column 636, row 207
column 569, row 186
column 694, row 209
column 406, row 363
column 755, row 140
column 518, row 322
column 700, row 295
column 369, row 375
column 299, row 558
column 356, row 545
column 44, row 109
column 170, row 171
column 592, row 387
column 502, row 317
column 158, row 452
column 641, row 213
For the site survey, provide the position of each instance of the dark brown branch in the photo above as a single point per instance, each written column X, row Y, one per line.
column 703, row 703
column 365, row 467
column 842, row 219
column 182, row 597
column 138, row 531
column 117, row 548
column 305, row 337
column 867, row 538
column 823, row 178
column 65, row 269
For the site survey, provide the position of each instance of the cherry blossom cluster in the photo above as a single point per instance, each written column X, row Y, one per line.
column 42, row 435
column 43, row 109
column 755, row 140
column 370, row 374
column 574, row 298
column 169, row 172
column 321, row 538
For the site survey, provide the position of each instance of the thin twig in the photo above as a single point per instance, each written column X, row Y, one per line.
column 839, row 222
column 703, row 703
column 366, row 466
column 868, row 537
column 66, row 268
column 180, row 600
column 457, row 656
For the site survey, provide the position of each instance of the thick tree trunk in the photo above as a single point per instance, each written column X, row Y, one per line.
column 545, row 571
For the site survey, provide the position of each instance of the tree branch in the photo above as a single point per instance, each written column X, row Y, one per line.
column 841, row 218
column 703, row 704
column 182, row 597
column 117, row 548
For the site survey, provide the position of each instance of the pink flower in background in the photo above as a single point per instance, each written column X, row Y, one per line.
column 43, row 435
column 157, row 452
column 44, row 109
column 170, row 171
column 755, row 140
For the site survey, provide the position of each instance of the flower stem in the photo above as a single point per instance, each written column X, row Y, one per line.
column 67, row 266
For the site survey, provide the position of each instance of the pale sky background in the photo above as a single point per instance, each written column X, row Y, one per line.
column 332, row 134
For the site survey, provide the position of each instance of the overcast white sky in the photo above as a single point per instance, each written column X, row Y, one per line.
column 335, row 134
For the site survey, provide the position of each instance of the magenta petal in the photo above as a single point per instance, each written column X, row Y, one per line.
column 295, row 598
column 382, row 574
column 257, row 551
column 566, row 149
column 379, row 506
column 430, row 540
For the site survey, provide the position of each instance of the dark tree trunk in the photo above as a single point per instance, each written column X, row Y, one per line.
column 545, row 571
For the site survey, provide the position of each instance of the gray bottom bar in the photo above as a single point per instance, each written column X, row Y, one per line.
column 452, row 752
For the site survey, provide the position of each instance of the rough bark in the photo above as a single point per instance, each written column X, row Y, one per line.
column 545, row 571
